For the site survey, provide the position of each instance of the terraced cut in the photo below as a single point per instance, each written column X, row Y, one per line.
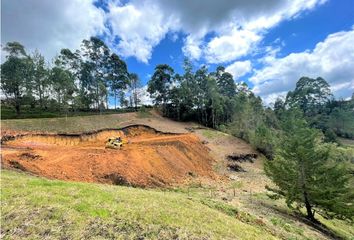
column 151, row 158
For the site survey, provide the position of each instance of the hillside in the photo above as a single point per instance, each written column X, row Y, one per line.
column 204, row 199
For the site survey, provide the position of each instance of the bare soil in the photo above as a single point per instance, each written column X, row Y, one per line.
column 151, row 158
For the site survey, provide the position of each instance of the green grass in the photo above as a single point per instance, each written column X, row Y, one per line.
column 28, row 112
column 35, row 208
column 212, row 134
column 346, row 142
column 344, row 229
column 69, row 124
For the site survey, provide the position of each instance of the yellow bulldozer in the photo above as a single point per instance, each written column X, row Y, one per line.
column 115, row 142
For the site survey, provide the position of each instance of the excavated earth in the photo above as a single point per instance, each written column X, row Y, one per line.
column 151, row 158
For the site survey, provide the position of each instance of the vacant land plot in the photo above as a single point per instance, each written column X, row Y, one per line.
column 150, row 158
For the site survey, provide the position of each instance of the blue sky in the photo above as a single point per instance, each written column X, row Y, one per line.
column 267, row 44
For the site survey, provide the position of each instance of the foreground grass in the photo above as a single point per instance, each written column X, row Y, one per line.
column 65, row 125
column 35, row 208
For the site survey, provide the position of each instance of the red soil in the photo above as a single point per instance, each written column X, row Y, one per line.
column 149, row 159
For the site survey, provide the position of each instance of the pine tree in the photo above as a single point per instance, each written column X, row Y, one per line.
column 306, row 174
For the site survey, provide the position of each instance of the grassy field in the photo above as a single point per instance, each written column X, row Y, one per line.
column 69, row 124
column 28, row 112
column 34, row 208
column 346, row 142
column 74, row 124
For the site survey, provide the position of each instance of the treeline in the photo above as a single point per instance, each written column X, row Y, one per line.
column 211, row 98
column 79, row 80
column 215, row 100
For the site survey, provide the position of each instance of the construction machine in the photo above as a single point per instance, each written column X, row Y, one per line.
column 115, row 142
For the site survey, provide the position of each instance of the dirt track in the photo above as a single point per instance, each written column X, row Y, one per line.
column 150, row 159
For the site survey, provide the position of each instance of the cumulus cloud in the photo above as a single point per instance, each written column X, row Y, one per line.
column 331, row 59
column 238, row 26
column 144, row 96
column 239, row 68
column 215, row 31
column 50, row 25
column 229, row 47
column 139, row 27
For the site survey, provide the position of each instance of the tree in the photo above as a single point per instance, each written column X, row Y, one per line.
column 201, row 79
column 279, row 107
column 80, row 70
column 40, row 77
column 159, row 84
column 63, row 84
column 122, row 100
column 118, row 76
column 97, row 57
column 305, row 173
column 15, row 74
column 134, row 86
column 225, row 82
column 310, row 95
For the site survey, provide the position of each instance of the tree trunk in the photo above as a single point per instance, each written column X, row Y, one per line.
column 310, row 214
column 40, row 97
column 17, row 107
column 115, row 100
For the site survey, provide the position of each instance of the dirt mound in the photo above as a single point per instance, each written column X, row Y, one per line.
column 151, row 158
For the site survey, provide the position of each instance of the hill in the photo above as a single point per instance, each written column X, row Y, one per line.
column 228, row 202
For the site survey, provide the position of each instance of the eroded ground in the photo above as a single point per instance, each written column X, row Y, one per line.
column 151, row 158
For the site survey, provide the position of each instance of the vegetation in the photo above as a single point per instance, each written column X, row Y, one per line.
column 77, row 124
column 75, row 81
column 93, row 211
column 305, row 172
column 309, row 165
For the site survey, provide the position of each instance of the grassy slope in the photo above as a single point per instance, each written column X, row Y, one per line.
column 34, row 208
column 27, row 112
column 70, row 124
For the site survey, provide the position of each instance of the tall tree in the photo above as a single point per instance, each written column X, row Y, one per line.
column 15, row 74
column 134, row 86
column 310, row 95
column 201, row 79
column 118, row 76
column 304, row 172
column 97, row 58
column 63, row 85
column 79, row 69
column 160, row 84
column 225, row 82
column 40, row 77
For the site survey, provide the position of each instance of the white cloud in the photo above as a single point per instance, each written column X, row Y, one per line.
column 237, row 26
column 50, row 25
column 192, row 48
column 215, row 31
column 140, row 26
column 239, row 68
column 270, row 99
column 229, row 47
column 331, row 59
column 144, row 96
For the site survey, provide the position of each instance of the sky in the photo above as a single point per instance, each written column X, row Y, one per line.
column 267, row 44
